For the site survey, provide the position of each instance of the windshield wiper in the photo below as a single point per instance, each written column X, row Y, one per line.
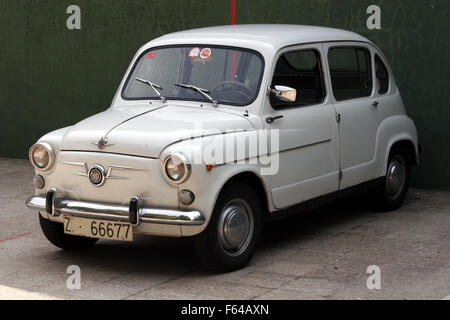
column 154, row 86
column 203, row 92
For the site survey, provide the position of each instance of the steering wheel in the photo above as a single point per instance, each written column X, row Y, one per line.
column 243, row 89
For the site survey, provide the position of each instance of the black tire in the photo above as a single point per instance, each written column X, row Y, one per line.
column 383, row 197
column 209, row 244
column 54, row 232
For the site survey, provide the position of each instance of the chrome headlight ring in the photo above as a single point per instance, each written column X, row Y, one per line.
column 183, row 161
column 45, row 147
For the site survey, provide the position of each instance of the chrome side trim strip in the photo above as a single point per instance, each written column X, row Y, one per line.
column 115, row 212
column 306, row 145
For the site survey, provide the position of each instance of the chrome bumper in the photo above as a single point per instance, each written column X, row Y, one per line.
column 104, row 211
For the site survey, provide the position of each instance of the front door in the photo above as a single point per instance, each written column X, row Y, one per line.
column 308, row 130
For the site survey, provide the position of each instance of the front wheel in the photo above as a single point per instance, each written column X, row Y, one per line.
column 54, row 232
column 229, row 241
column 391, row 194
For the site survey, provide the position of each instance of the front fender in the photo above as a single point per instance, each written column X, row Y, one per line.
column 55, row 138
column 207, row 184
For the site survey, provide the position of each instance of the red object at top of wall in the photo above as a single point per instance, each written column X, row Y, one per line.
column 233, row 11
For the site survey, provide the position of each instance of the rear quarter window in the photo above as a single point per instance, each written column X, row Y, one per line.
column 382, row 76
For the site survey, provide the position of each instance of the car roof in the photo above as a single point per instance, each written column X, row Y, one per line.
column 274, row 36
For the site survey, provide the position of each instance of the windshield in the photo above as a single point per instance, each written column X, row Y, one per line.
column 226, row 75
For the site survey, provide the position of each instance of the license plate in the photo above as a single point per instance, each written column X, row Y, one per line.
column 99, row 229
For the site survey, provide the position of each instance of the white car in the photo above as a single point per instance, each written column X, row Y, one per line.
column 215, row 130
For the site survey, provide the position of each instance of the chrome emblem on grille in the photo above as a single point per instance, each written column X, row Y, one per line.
column 97, row 175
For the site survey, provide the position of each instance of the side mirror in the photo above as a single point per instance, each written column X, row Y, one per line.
column 283, row 93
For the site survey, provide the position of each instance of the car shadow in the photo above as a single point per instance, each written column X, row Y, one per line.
column 305, row 225
column 177, row 255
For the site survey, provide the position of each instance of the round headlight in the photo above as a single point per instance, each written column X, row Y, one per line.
column 176, row 168
column 42, row 156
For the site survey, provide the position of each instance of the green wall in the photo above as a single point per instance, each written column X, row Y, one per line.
column 51, row 77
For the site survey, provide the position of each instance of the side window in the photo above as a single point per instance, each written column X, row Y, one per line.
column 382, row 76
column 300, row 70
column 351, row 72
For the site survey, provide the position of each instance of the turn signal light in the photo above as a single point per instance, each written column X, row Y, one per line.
column 186, row 197
column 38, row 182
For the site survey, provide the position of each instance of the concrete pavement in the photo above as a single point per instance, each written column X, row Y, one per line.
column 324, row 255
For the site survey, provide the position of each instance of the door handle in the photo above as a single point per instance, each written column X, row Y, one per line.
column 272, row 119
column 375, row 104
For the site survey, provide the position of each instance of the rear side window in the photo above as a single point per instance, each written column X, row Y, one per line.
column 300, row 70
column 351, row 72
column 382, row 75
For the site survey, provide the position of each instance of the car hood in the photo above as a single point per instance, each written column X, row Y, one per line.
column 147, row 131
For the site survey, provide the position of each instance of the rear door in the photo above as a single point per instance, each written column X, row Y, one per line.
column 353, row 94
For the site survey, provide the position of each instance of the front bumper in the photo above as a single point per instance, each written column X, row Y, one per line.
column 137, row 215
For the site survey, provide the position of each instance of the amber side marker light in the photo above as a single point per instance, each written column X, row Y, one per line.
column 209, row 167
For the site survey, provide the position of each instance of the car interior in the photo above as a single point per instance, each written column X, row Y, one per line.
column 351, row 72
column 300, row 70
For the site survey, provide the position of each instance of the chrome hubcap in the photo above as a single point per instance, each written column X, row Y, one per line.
column 236, row 227
column 396, row 175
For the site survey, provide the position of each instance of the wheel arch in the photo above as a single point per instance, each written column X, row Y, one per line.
column 394, row 132
column 409, row 147
column 256, row 183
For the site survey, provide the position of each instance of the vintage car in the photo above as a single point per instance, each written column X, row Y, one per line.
column 214, row 131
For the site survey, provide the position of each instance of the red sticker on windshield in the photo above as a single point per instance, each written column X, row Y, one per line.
column 194, row 53
column 205, row 53
column 151, row 55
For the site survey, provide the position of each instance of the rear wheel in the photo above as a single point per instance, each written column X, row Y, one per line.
column 391, row 194
column 230, row 239
column 54, row 232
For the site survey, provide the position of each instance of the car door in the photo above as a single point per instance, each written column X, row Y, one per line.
column 308, row 130
column 350, row 67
